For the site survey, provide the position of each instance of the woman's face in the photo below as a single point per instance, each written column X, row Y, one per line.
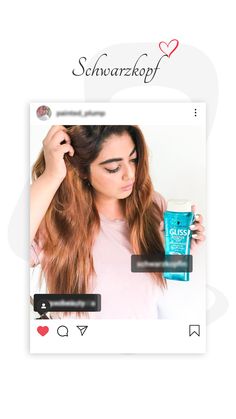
column 112, row 174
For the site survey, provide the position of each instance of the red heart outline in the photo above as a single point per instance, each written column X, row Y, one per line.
column 167, row 45
column 42, row 330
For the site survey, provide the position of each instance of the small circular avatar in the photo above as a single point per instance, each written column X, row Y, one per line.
column 44, row 113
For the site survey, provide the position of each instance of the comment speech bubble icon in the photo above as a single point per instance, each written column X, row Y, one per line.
column 63, row 331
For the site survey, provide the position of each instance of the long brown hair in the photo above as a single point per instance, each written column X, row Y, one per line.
column 71, row 223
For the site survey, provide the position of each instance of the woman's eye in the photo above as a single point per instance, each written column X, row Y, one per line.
column 118, row 168
column 112, row 170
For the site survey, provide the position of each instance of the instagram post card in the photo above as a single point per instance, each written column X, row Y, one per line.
column 117, row 217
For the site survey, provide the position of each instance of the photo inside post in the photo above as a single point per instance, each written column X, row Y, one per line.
column 117, row 227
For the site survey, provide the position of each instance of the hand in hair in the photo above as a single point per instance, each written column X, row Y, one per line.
column 55, row 145
column 48, row 173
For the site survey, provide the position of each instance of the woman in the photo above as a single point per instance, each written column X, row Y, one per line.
column 92, row 207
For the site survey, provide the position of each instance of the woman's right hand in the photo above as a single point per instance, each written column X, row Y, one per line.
column 54, row 152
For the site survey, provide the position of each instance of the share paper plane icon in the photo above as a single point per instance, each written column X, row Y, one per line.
column 82, row 329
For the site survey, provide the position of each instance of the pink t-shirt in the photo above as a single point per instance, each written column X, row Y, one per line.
column 124, row 294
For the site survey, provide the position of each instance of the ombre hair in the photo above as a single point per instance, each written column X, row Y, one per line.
column 71, row 223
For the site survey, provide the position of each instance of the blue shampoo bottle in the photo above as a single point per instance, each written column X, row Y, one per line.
column 177, row 219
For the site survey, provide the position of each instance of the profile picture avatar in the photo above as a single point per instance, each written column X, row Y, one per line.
column 44, row 113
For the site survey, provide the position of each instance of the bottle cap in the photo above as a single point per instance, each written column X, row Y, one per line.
column 179, row 205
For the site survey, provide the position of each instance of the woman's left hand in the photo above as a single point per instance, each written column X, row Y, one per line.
column 197, row 230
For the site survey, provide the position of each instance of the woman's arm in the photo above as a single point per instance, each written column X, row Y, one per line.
column 42, row 192
column 43, row 189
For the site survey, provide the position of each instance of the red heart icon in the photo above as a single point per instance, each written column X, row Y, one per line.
column 168, row 49
column 42, row 330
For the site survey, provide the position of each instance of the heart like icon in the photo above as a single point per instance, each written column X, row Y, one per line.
column 42, row 330
column 168, row 49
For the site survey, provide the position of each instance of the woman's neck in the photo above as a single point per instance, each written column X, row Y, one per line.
column 112, row 208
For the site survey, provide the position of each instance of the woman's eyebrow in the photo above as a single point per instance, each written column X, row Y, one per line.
column 117, row 159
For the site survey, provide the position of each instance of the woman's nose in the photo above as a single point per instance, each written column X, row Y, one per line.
column 129, row 173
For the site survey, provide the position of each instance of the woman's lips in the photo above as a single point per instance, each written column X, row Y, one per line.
column 128, row 187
